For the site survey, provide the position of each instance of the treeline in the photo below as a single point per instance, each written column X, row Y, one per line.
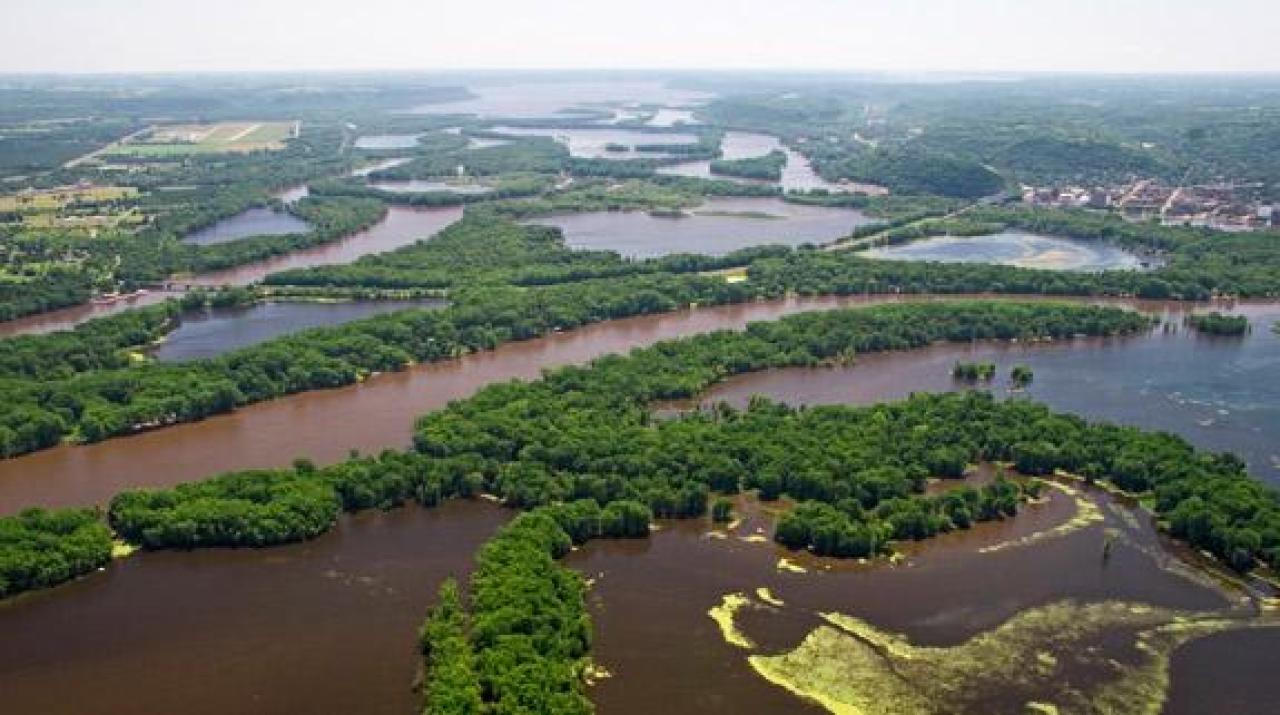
column 1198, row 263
column 98, row 344
column 908, row 170
column 486, row 248
column 40, row 548
column 1216, row 323
column 96, row 405
column 585, row 433
column 767, row 167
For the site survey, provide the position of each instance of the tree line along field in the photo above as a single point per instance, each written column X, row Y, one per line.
column 212, row 138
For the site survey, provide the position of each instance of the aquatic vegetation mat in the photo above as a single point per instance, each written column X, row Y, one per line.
column 1065, row 657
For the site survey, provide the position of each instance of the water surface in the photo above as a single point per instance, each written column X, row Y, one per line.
column 1015, row 248
column 327, row 626
column 797, row 174
column 215, row 331
column 387, row 141
column 593, row 142
column 717, row 227
column 532, row 99
column 253, row 222
column 1219, row 393
column 418, row 186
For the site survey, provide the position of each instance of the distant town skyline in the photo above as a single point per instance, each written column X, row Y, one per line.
column 1110, row 36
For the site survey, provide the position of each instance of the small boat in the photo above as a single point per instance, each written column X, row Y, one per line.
column 106, row 299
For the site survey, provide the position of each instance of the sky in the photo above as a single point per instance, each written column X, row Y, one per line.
column 1119, row 36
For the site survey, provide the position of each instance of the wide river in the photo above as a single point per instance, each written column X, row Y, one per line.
column 328, row 626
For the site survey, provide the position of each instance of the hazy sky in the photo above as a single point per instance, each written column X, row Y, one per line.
column 1061, row 35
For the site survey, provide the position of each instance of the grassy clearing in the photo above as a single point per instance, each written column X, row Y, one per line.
column 215, row 138
column 57, row 199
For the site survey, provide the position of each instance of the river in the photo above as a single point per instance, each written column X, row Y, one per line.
column 328, row 626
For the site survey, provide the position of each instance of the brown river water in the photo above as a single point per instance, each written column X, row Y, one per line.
column 328, row 626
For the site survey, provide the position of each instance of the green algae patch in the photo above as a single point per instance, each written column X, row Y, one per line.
column 789, row 566
column 1060, row 658
column 764, row 594
column 594, row 673
column 723, row 615
column 1087, row 514
column 121, row 549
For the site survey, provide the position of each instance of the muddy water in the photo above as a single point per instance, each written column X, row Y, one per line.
column 717, row 227
column 68, row 318
column 327, row 626
column 650, row 602
column 325, row 425
column 372, row 416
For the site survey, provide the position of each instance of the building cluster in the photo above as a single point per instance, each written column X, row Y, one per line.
column 1223, row 206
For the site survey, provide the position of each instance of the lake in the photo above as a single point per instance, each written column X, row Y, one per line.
column 1015, row 248
column 253, row 222
column 717, row 227
column 212, row 332
column 593, row 142
column 418, row 186
column 532, row 99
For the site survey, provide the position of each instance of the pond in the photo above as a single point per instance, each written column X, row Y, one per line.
column 1015, row 248
column 253, row 222
column 671, row 116
column 215, row 331
column 717, row 227
column 387, row 141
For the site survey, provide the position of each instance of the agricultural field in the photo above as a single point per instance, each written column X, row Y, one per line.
column 71, row 207
column 62, row 197
column 216, row 138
